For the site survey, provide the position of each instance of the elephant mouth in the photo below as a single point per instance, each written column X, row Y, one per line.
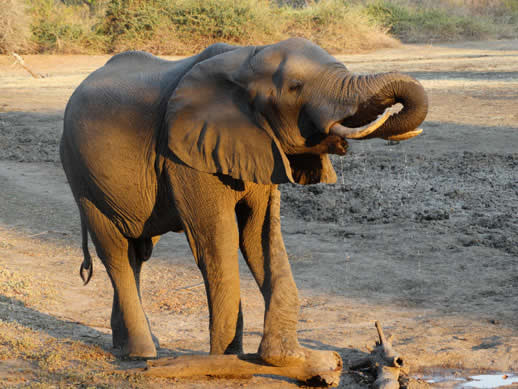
column 362, row 132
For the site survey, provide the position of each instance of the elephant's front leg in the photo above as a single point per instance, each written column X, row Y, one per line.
column 210, row 226
column 263, row 248
column 215, row 247
column 262, row 245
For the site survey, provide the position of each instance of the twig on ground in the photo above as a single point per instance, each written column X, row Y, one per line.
column 189, row 287
column 48, row 232
column 38, row 234
column 21, row 62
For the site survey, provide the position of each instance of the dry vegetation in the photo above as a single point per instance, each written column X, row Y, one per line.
column 14, row 27
column 185, row 26
column 446, row 20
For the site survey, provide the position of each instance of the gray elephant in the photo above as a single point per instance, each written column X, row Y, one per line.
column 200, row 145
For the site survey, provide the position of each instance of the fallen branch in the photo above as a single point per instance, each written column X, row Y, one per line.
column 21, row 62
column 47, row 232
column 387, row 363
column 243, row 366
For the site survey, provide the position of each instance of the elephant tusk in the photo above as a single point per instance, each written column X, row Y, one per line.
column 405, row 135
column 359, row 132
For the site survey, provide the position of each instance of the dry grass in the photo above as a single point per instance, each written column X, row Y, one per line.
column 49, row 353
column 25, row 288
column 446, row 20
column 35, row 359
column 14, row 27
column 337, row 28
column 178, row 292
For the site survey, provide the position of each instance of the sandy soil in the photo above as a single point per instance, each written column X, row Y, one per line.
column 421, row 235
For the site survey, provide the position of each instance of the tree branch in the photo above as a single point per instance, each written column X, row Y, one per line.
column 21, row 62
column 239, row 366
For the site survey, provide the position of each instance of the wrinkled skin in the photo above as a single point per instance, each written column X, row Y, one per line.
column 200, row 145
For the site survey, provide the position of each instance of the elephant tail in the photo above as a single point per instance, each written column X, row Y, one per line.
column 87, row 268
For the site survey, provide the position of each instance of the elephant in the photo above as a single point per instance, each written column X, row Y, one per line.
column 200, row 146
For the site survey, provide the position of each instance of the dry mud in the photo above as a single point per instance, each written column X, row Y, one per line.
column 421, row 235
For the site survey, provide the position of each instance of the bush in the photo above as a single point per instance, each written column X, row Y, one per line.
column 14, row 33
column 190, row 25
column 56, row 27
column 175, row 27
column 223, row 19
column 128, row 21
column 417, row 24
column 338, row 26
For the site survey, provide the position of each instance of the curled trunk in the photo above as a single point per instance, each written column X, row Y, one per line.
column 381, row 91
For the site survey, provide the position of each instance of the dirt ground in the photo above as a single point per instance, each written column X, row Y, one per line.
column 420, row 235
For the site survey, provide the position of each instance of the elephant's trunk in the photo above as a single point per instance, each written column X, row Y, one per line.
column 378, row 92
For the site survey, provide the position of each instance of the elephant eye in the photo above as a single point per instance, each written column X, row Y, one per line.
column 295, row 85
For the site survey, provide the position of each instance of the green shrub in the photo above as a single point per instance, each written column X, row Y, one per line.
column 412, row 24
column 128, row 20
column 228, row 20
column 508, row 13
column 56, row 27
column 185, row 23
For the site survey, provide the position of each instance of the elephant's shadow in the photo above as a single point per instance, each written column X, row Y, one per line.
column 13, row 310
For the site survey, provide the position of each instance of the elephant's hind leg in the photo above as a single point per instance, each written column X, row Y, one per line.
column 139, row 251
column 130, row 327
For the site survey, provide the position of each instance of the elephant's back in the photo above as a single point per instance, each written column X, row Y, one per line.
column 114, row 112
column 110, row 128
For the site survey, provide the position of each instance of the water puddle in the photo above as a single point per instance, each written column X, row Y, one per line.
column 491, row 381
column 484, row 381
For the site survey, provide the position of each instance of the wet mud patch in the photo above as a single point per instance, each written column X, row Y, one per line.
column 472, row 195
column 30, row 136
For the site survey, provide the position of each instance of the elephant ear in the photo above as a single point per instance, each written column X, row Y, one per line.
column 212, row 128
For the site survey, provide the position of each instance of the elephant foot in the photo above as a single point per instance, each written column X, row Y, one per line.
column 139, row 351
column 136, row 349
column 281, row 351
column 291, row 353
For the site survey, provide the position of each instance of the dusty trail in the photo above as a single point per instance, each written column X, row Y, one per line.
column 421, row 235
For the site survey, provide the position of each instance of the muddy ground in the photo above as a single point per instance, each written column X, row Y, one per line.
column 420, row 235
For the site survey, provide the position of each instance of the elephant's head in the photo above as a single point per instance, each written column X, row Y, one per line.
column 260, row 113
